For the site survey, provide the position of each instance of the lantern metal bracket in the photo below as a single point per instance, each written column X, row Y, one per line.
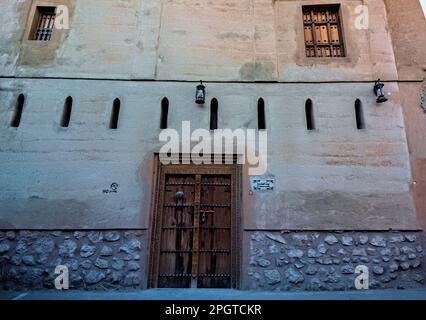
column 200, row 93
column 378, row 91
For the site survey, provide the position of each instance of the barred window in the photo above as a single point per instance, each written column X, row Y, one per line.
column 43, row 23
column 323, row 31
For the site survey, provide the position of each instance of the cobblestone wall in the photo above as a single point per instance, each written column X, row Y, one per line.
column 97, row 260
column 107, row 260
column 327, row 261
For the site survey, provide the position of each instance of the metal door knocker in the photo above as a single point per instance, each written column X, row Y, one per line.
column 179, row 195
column 203, row 215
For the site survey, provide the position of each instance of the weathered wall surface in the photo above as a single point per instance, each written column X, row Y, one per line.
column 95, row 260
column 336, row 177
column 332, row 178
column 407, row 25
column 415, row 120
column 327, row 261
column 243, row 40
column 106, row 260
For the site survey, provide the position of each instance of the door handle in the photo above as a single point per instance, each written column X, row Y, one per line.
column 203, row 215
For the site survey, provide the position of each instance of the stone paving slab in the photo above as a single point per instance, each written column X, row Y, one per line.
column 215, row 294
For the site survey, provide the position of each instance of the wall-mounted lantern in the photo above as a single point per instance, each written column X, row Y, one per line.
column 200, row 94
column 378, row 90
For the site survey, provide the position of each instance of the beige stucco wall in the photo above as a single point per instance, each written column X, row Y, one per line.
column 237, row 40
column 407, row 24
column 334, row 178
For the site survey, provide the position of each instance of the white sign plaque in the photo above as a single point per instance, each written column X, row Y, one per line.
column 262, row 184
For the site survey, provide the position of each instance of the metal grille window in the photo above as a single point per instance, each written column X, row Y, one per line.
column 323, row 31
column 44, row 22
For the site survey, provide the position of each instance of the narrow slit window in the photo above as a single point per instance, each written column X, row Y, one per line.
column 214, row 105
column 115, row 113
column 43, row 24
column 309, row 110
column 66, row 113
column 164, row 113
column 16, row 120
column 261, row 121
column 359, row 113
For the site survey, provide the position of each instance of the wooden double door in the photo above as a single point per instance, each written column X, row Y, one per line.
column 195, row 232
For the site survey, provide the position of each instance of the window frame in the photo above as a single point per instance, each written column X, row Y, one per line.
column 343, row 43
column 35, row 19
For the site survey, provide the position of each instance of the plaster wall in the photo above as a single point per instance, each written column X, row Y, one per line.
column 407, row 25
column 335, row 177
column 237, row 40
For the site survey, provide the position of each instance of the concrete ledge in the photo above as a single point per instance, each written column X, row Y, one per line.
column 216, row 294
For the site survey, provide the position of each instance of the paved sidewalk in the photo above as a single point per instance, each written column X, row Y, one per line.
column 214, row 294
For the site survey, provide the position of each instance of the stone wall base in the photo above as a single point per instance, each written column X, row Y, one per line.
column 96, row 260
column 276, row 260
column 315, row 261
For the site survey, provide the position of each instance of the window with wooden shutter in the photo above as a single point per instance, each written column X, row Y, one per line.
column 43, row 24
column 323, row 31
